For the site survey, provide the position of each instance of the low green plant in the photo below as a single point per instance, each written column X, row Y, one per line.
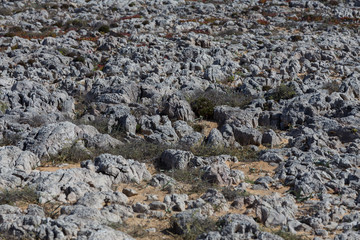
column 52, row 209
column 203, row 103
column 193, row 177
column 247, row 180
column 299, row 196
column 5, row 12
column 203, row 107
column 142, row 151
column 10, row 139
column 79, row 59
column 13, row 196
column 282, row 92
column 322, row 163
column 289, row 236
column 72, row 154
column 34, row 121
column 244, row 154
column 195, row 227
column 198, row 127
column 8, row 236
column 76, row 23
column 136, row 231
column 231, row 194
column 332, row 86
column 296, row 38
column 3, row 107
column 104, row 29
column 266, row 88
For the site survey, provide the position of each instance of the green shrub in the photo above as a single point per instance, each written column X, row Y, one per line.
column 296, row 38
column 34, row 121
column 10, row 139
column 136, row 231
column 332, row 86
column 203, row 107
column 282, row 92
column 3, row 107
column 244, row 154
column 203, row 103
column 231, row 194
column 193, row 177
column 289, row 235
column 266, row 88
column 5, row 11
column 72, row 154
column 79, row 59
column 12, row 196
column 140, row 150
column 104, row 29
column 198, row 127
column 195, row 227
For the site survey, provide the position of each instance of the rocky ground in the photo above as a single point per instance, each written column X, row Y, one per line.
column 180, row 119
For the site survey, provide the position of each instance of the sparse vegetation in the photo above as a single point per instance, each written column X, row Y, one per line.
column 231, row 194
column 198, row 127
column 76, row 23
column 34, row 121
column 203, row 103
column 289, row 235
column 196, row 227
column 10, row 138
column 14, row 196
column 104, row 29
column 141, row 150
column 72, row 154
column 203, row 107
column 3, row 107
column 52, row 209
column 296, row 38
column 193, row 177
column 136, row 231
column 281, row 92
column 243, row 154
column 333, row 86
column 19, row 32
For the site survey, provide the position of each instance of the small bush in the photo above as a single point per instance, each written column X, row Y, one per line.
column 333, row 86
column 104, row 29
column 140, row 150
column 193, row 177
column 203, row 103
column 296, row 38
column 136, row 231
column 25, row 195
column 9, row 236
column 198, row 128
column 5, row 12
column 52, row 209
column 312, row 18
column 203, row 107
column 289, row 235
column 34, row 121
column 195, row 227
column 231, row 194
column 282, row 92
column 10, row 139
column 78, row 23
column 3, row 107
column 266, row 88
column 79, row 59
column 244, row 154
column 71, row 154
